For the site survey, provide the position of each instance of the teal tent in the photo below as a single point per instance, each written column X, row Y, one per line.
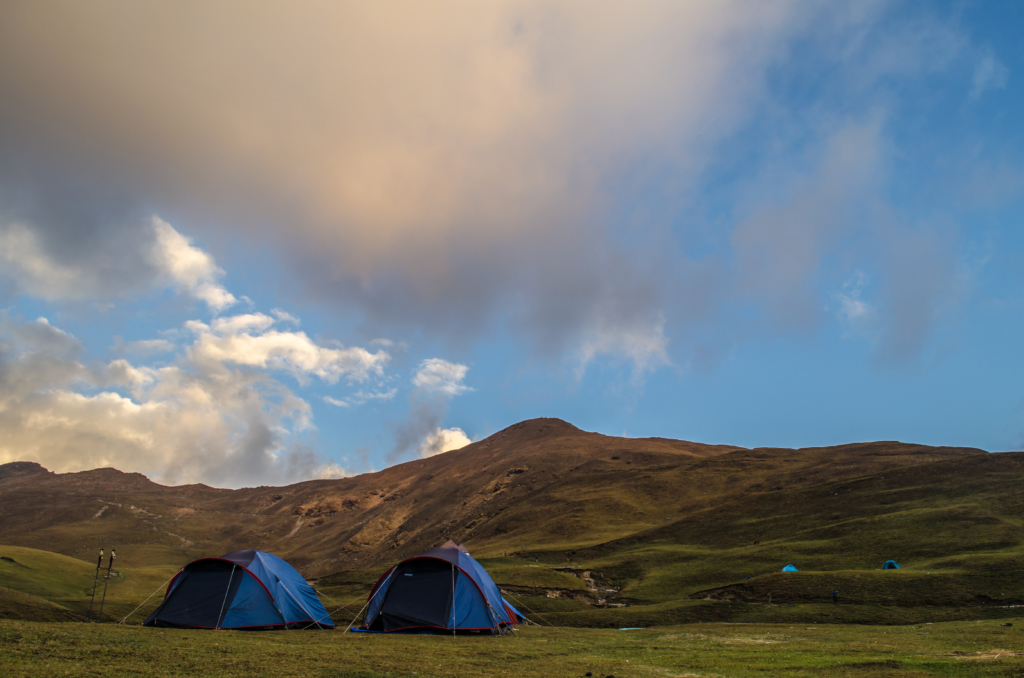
column 891, row 565
column 790, row 568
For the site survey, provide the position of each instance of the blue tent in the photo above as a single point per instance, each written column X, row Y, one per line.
column 442, row 590
column 240, row 590
column 891, row 565
column 789, row 568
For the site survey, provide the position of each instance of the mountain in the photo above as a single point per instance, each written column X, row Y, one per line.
column 539, row 473
column 648, row 520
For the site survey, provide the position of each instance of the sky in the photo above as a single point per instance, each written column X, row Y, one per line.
column 253, row 243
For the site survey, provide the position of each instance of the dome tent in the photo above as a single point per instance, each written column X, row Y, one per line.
column 441, row 590
column 790, row 568
column 891, row 565
column 241, row 590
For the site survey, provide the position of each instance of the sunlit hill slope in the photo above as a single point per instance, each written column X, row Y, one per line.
column 593, row 529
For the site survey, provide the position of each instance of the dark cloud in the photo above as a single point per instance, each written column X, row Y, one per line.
column 526, row 167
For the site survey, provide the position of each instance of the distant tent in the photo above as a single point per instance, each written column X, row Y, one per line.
column 441, row 590
column 240, row 590
column 790, row 568
column 891, row 565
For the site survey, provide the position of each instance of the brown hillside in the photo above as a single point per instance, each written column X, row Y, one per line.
column 540, row 484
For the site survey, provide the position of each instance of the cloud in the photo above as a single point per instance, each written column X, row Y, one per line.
column 646, row 347
column 989, row 73
column 424, row 189
column 248, row 340
column 529, row 166
column 189, row 268
column 436, row 382
column 208, row 418
column 147, row 257
column 331, row 472
column 149, row 346
column 860, row 316
column 443, row 440
column 285, row 317
column 441, row 377
column 26, row 262
column 360, row 397
column 780, row 248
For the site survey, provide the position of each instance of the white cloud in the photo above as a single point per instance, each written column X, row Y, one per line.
column 241, row 323
column 441, row 377
column 331, row 472
column 122, row 373
column 189, row 268
column 247, row 340
column 334, row 401
column 443, row 440
column 199, row 419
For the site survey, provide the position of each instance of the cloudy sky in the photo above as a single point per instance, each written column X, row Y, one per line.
column 249, row 243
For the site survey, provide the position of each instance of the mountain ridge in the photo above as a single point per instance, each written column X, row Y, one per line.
column 541, row 484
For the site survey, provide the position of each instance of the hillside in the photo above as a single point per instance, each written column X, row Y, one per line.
column 572, row 520
column 533, row 484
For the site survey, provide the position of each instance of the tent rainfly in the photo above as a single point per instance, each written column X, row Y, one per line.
column 440, row 591
column 240, row 590
column 789, row 568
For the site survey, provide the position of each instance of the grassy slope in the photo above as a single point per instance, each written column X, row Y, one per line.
column 666, row 524
column 52, row 581
column 955, row 649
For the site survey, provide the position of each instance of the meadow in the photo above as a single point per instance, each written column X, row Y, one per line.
column 981, row 648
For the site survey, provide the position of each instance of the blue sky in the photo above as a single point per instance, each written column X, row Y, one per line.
column 321, row 242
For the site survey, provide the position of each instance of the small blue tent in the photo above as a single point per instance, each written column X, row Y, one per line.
column 891, row 565
column 240, row 590
column 789, row 568
column 441, row 590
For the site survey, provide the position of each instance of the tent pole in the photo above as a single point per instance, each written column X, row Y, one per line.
column 220, row 617
column 300, row 605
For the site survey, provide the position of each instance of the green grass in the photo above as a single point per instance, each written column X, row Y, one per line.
column 738, row 650
column 68, row 583
column 18, row 605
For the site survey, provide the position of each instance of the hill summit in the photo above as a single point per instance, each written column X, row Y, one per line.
column 538, row 485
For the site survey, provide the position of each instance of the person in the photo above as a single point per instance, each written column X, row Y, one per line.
column 835, row 597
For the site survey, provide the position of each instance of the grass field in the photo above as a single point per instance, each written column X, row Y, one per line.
column 966, row 649
column 48, row 586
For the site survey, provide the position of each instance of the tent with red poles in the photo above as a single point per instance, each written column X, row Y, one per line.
column 442, row 591
column 240, row 590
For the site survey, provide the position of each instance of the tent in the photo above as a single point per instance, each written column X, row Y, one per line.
column 240, row 590
column 891, row 565
column 790, row 568
column 441, row 590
